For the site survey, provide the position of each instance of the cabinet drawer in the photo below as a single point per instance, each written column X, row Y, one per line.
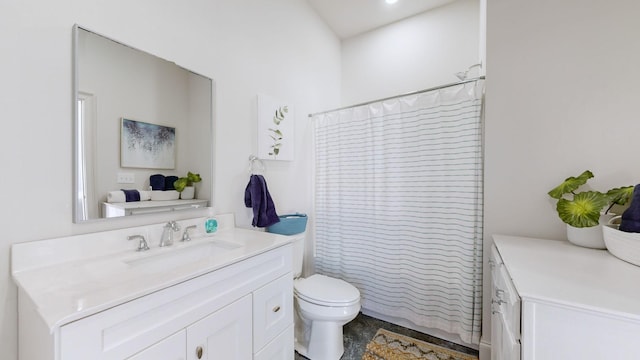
column 510, row 346
column 280, row 348
column 272, row 310
column 505, row 301
column 509, row 302
column 495, row 264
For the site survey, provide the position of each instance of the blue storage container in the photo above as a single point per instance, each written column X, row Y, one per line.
column 290, row 224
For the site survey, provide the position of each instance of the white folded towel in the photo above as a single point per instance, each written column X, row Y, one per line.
column 144, row 195
column 116, row 196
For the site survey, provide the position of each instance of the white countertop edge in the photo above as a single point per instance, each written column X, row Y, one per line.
column 530, row 288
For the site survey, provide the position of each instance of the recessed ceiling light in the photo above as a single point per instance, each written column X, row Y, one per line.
column 391, row 1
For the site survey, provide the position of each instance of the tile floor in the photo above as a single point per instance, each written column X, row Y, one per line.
column 361, row 330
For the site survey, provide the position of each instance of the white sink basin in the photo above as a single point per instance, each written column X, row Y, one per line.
column 172, row 256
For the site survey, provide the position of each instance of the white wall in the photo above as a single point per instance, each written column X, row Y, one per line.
column 248, row 47
column 561, row 95
column 417, row 53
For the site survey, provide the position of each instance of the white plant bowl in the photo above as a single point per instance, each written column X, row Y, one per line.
column 158, row 195
column 621, row 244
column 590, row 237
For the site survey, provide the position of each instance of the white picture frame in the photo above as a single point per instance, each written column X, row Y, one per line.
column 275, row 129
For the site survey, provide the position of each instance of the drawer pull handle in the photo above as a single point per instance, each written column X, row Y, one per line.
column 276, row 309
column 494, row 310
column 199, row 352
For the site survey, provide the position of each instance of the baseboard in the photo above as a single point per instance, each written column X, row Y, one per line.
column 485, row 349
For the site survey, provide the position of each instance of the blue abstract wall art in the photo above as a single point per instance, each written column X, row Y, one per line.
column 145, row 145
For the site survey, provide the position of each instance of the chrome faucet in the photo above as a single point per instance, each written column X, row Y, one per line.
column 167, row 233
column 142, row 245
column 185, row 234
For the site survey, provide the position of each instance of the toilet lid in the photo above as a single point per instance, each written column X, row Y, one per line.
column 321, row 289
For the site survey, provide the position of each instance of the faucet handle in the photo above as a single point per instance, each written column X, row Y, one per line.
column 173, row 226
column 185, row 234
column 142, row 245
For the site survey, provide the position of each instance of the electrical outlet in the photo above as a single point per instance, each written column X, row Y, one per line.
column 126, row 178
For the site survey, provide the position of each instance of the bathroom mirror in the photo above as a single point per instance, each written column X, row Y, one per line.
column 115, row 83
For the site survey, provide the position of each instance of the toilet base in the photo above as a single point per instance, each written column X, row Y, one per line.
column 319, row 323
column 324, row 342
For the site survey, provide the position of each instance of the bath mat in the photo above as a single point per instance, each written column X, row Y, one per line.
column 387, row 345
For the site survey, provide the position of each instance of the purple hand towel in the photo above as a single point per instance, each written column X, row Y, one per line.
column 157, row 182
column 168, row 182
column 630, row 221
column 257, row 196
column 131, row 195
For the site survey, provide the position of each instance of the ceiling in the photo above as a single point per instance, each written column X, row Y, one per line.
column 352, row 17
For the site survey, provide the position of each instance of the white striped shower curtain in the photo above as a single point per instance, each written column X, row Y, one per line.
column 398, row 205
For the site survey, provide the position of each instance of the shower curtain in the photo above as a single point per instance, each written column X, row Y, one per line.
column 398, row 205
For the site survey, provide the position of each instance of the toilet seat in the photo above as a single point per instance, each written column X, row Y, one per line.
column 326, row 291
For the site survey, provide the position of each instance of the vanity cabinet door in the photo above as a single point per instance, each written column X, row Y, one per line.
column 171, row 348
column 225, row 334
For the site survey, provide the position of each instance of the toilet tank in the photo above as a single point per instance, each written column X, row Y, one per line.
column 298, row 254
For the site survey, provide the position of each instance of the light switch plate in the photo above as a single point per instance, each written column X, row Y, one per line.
column 126, row 178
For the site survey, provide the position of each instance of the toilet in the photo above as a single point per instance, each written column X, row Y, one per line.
column 323, row 305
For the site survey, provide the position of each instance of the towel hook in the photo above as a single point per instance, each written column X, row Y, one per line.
column 252, row 165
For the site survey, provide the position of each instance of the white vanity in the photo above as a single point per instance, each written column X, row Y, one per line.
column 554, row 300
column 93, row 296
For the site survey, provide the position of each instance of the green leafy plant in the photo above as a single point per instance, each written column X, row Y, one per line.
column 189, row 180
column 276, row 134
column 583, row 209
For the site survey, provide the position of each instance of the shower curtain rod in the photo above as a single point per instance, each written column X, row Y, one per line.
column 397, row 96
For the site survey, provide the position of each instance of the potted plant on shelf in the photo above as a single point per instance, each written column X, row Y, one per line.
column 583, row 212
column 185, row 185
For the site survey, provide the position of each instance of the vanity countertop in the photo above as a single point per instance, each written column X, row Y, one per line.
column 560, row 272
column 67, row 291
